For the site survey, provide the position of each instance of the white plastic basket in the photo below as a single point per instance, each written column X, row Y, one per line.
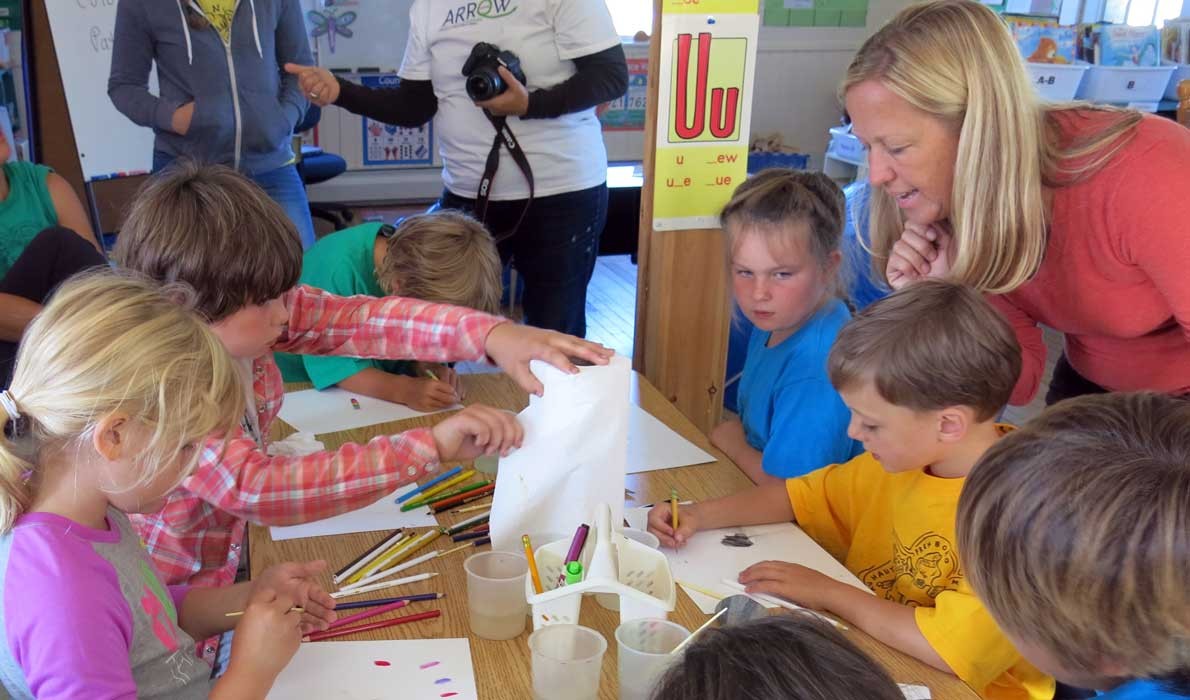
column 612, row 563
column 845, row 146
column 1181, row 71
column 1125, row 84
column 1057, row 82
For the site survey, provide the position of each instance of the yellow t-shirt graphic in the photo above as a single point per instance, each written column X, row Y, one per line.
column 896, row 532
column 219, row 13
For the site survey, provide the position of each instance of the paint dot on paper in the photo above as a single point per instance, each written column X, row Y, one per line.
column 429, row 664
column 382, row 663
column 448, row 695
column 442, row 681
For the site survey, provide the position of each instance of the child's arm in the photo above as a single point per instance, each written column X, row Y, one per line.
column 203, row 611
column 891, row 623
column 729, row 437
column 419, row 393
column 759, row 505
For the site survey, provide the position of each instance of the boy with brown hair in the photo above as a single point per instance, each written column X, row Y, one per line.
column 1075, row 532
column 445, row 257
column 924, row 372
column 213, row 229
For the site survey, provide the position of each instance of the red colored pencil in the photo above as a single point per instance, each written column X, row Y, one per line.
column 317, row 636
column 463, row 498
column 368, row 613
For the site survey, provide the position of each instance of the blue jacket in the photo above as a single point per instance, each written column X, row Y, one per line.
column 245, row 105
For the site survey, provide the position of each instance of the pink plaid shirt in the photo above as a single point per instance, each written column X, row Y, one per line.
column 196, row 537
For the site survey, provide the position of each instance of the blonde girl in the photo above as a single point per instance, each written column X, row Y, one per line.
column 116, row 384
column 1074, row 215
column 783, row 229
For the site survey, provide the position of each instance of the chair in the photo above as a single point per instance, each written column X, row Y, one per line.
column 314, row 166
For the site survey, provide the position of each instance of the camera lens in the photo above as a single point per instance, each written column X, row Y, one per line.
column 484, row 84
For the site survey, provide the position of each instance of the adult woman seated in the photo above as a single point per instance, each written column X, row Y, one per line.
column 44, row 238
column 1071, row 215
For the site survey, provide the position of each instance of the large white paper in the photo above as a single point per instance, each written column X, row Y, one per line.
column 573, row 457
column 705, row 561
column 384, row 514
column 406, row 668
column 653, row 445
column 330, row 410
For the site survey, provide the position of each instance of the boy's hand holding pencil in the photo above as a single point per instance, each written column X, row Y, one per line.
column 661, row 523
column 297, row 581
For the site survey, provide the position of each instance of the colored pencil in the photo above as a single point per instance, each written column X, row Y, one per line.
column 368, row 613
column 381, row 561
column 328, row 634
column 385, row 601
column 370, row 554
column 441, row 477
column 387, row 584
column 468, row 497
column 241, row 612
column 416, row 545
column 696, row 632
column 699, row 589
column 480, row 543
column 455, row 493
column 385, row 573
column 673, row 509
column 433, row 376
column 470, row 509
column 532, row 564
column 430, row 493
column 468, row 523
column 397, row 556
column 470, row 536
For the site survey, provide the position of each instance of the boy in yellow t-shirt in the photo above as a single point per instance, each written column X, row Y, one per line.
column 924, row 372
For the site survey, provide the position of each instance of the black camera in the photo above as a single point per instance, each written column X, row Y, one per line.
column 480, row 70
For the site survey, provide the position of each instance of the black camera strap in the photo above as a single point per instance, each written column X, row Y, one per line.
column 504, row 137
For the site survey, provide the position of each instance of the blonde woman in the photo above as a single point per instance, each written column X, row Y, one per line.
column 116, row 386
column 1074, row 216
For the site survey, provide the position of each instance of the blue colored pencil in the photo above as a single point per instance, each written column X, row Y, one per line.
column 428, row 484
column 386, row 601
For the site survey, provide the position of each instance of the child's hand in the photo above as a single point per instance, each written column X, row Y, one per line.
column 296, row 580
column 266, row 637
column 793, row 582
column 511, row 346
column 425, row 394
column 661, row 524
column 477, row 430
column 442, row 373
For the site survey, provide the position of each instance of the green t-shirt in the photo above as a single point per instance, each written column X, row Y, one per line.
column 27, row 211
column 342, row 263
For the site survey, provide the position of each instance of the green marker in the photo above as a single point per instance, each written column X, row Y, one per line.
column 574, row 572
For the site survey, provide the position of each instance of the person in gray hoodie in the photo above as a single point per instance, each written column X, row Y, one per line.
column 223, row 97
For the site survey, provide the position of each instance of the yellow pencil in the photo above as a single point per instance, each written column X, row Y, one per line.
column 532, row 564
column 416, row 545
column 673, row 508
column 699, row 589
column 379, row 561
column 427, row 495
column 241, row 612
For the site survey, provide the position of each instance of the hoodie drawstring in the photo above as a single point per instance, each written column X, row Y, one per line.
column 255, row 29
column 186, row 31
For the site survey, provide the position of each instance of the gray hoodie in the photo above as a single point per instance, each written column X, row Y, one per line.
column 245, row 105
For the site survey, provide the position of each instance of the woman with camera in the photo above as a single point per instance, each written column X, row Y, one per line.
column 516, row 126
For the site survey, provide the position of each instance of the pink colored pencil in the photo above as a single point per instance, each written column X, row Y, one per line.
column 316, row 636
column 368, row 613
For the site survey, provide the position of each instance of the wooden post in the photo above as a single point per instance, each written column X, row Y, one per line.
column 682, row 307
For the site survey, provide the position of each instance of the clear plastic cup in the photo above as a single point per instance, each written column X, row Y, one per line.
column 496, row 594
column 644, row 648
column 567, row 660
column 611, row 601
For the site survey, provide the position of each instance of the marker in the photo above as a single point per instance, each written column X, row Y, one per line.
column 354, row 403
column 574, row 572
column 575, row 551
column 532, row 564
column 441, row 477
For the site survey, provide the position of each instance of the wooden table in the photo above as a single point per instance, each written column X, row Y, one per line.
column 502, row 669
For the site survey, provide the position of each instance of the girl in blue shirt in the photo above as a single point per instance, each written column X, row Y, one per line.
column 783, row 231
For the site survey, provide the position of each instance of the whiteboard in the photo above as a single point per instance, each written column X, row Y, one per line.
column 109, row 144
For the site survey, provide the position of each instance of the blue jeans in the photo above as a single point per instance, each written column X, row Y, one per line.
column 283, row 185
column 554, row 251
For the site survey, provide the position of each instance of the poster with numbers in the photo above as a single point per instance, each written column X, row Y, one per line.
column 385, row 144
column 627, row 113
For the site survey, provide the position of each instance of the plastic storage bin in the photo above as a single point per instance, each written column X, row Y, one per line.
column 845, row 146
column 1057, row 82
column 1181, row 71
column 1126, row 84
column 612, row 564
column 760, row 161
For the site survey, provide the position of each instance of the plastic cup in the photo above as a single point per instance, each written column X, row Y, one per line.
column 644, row 649
column 567, row 660
column 611, row 601
column 496, row 594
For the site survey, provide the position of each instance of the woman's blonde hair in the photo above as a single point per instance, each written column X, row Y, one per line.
column 1074, row 530
column 445, row 257
column 957, row 61
column 111, row 342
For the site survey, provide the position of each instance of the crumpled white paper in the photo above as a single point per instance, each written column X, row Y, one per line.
column 296, row 445
column 574, row 455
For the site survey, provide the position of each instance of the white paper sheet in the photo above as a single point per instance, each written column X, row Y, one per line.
column 653, row 445
column 573, row 457
column 384, row 514
column 406, row 668
column 705, row 561
column 330, row 410
column 914, row 692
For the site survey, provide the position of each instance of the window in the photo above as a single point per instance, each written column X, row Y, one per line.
column 1138, row 13
column 631, row 16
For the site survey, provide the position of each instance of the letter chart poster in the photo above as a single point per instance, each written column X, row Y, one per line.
column 708, row 62
column 385, row 144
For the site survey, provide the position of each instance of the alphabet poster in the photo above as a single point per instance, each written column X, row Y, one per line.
column 385, row 144
column 705, row 86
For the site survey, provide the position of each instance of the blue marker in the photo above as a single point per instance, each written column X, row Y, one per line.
column 428, row 484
